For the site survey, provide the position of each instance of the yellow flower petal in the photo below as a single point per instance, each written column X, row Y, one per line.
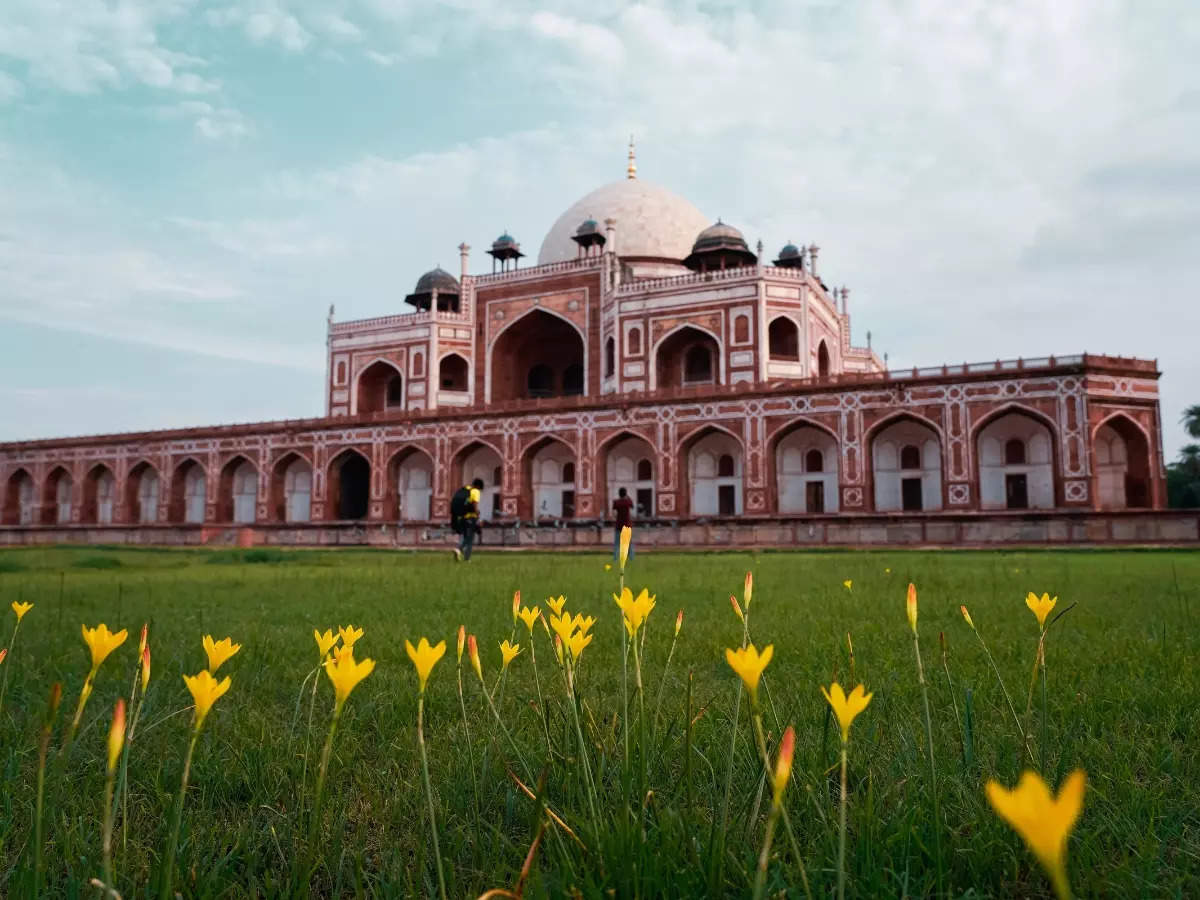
column 1040, row 607
column 218, row 651
column 205, row 691
column 20, row 609
column 102, row 642
column 424, row 658
column 1043, row 822
column 345, row 673
column 749, row 664
column 846, row 708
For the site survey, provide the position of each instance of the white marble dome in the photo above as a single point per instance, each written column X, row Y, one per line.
column 651, row 221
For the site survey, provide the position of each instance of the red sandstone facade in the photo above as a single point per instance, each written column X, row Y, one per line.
column 721, row 391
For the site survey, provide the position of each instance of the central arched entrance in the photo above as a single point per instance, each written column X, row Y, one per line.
column 629, row 464
column 349, row 486
column 479, row 460
column 550, row 470
column 1122, row 458
column 1016, row 463
column 806, row 471
column 380, row 387
column 539, row 355
column 906, row 464
column 713, row 463
column 410, row 476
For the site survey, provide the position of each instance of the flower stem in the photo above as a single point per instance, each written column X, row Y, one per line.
column 841, row 878
column 43, row 750
column 541, row 700
column 164, row 891
column 933, row 785
column 4, row 684
column 470, row 753
column 760, row 878
column 437, row 853
column 106, row 845
column 1012, row 709
column 84, row 694
column 663, row 682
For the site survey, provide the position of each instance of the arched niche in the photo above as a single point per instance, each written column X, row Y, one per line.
column 551, row 468
column 410, row 474
column 99, row 496
column 629, row 463
column 349, row 480
column 806, row 471
column 380, row 387
column 1016, row 463
column 539, row 355
column 687, row 357
column 454, row 373
column 189, row 489
column 20, row 499
column 142, row 489
column 1122, row 462
column 479, row 460
column 783, row 339
column 906, row 465
column 713, row 462
column 291, row 489
column 238, row 492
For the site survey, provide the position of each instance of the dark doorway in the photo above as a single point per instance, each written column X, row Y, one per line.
column 645, row 502
column 814, row 497
column 1016, row 491
column 573, row 380
column 355, row 483
column 568, row 504
column 726, row 500
column 540, row 381
column 910, row 494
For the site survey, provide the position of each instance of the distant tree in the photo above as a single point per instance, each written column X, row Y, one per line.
column 1191, row 420
column 1183, row 478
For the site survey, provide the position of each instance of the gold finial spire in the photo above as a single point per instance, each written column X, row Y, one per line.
column 631, row 169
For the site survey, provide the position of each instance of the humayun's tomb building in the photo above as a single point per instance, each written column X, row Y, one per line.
column 649, row 349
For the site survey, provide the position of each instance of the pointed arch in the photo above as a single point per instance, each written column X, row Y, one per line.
column 628, row 460
column 667, row 360
column 189, row 492
column 290, row 488
column 378, row 386
column 20, row 493
column 454, row 372
column 548, row 465
column 237, row 491
column 410, row 484
column 348, row 476
column 143, row 491
column 783, row 338
column 1004, row 480
column 823, row 364
column 1121, row 454
column 710, row 465
column 99, row 495
column 805, row 463
column 479, row 458
column 896, row 483
column 58, row 497
column 559, row 344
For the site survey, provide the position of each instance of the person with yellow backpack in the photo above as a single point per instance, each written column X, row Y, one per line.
column 464, row 518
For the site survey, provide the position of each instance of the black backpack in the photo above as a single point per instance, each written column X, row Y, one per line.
column 460, row 504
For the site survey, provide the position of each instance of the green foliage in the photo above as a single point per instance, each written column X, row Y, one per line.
column 97, row 562
column 1123, row 680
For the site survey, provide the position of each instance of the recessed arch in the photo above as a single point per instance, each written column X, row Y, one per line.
column 628, row 460
column 291, row 488
column 410, row 479
column 454, row 373
column 669, row 357
column 1121, row 455
column 783, row 339
column 548, row 464
column 823, row 367
column 537, row 337
column 189, row 492
column 480, row 459
column 58, row 497
column 710, row 467
column 1004, row 481
column 805, row 464
column 348, row 476
column 898, row 484
column 143, row 489
column 237, row 491
column 379, row 386
column 20, row 498
column 99, row 496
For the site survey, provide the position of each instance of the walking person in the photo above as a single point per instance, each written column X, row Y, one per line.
column 623, row 514
column 464, row 517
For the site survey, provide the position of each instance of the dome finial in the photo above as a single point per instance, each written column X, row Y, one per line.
column 631, row 169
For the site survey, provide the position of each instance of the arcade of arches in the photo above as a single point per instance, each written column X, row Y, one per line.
column 1014, row 454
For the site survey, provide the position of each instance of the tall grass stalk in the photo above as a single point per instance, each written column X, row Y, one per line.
column 168, row 872
column 1000, row 680
column 756, row 717
column 950, row 683
column 841, row 872
column 38, row 809
column 719, row 841
column 437, row 853
column 314, row 822
column 462, row 705
column 666, row 668
column 933, row 784
column 537, row 680
column 8, row 655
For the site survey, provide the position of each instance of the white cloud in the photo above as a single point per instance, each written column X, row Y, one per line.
column 593, row 41
column 210, row 122
column 336, row 26
column 264, row 21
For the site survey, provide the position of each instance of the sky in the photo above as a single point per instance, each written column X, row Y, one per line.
column 186, row 188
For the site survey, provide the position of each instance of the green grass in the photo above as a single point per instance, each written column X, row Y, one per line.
column 1123, row 689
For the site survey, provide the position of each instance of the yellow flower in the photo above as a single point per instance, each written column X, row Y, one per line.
column 324, row 641
column 219, row 651
column 966, row 615
column 116, row 735
column 558, row 649
column 626, row 537
column 887, row 571
column 345, row 673
column 783, row 764
column 846, row 708
column 678, row 622
column 145, row 668
column 1040, row 608
column 635, row 611
column 462, row 639
column 516, row 605
column 577, row 642
column 473, row 653
column 563, row 625
column 349, row 634
column 102, row 642
column 144, row 638
column 749, row 665
column 747, row 590
column 584, row 625
column 20, row 609
column 557, row 605
column 912, row 606
column 529, row 616
column 608, row 567
column 3, row 653
column 736, row 608
column 1043, row 822
column 205, row 690
column 509, row 652
column 848, row 584
column 424, row 657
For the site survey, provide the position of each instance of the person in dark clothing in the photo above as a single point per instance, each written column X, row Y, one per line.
column 469, row 523
column 623, row 513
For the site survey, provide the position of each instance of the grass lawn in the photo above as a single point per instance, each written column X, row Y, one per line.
column 1123, row 700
